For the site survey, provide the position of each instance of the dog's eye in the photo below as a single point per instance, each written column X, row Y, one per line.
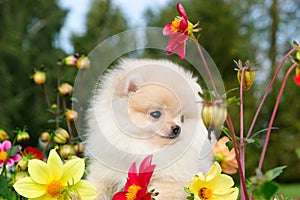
column 155, row 114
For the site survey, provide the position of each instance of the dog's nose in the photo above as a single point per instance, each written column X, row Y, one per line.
column 176, row 130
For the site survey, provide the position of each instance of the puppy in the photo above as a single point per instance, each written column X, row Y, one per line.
column 143, row 107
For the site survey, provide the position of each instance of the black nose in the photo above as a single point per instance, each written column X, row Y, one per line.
column 176, row 130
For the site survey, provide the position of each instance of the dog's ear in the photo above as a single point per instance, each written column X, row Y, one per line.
column 132, row 84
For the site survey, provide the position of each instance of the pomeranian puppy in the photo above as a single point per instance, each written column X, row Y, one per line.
column 143, row 107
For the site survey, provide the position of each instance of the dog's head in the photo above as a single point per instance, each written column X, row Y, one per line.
column 153, row 108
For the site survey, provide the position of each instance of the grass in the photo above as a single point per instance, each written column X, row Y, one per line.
column 291, row 191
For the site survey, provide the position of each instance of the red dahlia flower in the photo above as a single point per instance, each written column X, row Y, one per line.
column 136, row 187
column 180, row 29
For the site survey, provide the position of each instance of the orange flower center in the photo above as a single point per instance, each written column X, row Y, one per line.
column 132, row 191
column 205, row 193
column 54, row 189
column 3, row 156
column 175, row 25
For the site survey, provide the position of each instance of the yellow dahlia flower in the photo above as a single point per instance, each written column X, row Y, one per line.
column 213, row 185
column 55, row 180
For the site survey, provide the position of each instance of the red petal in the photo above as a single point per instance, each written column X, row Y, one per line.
column 297, row 79
column 181, row 11
column 132, row 177
column 146, row 171
column 119, row 196
column 184, row 22
column 167, row 31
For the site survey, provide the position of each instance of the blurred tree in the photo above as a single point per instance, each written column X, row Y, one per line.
column 103, row 20
column 27, row 40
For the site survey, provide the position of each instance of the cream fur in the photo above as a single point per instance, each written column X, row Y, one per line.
column 110, row 104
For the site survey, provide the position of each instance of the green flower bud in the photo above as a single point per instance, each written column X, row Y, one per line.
column 45, row 137
column 19, row 175
column 61, row 136
column 213, row 115
column 249, row 74
column 247, row 80
column 3, row 135
column 65, row 89
column 22, row 164
column 66, row 151
column 70, row 61
column 83, row 63
column 71, row 115
column 79, row 148
column 22, row 136
column 39, row 77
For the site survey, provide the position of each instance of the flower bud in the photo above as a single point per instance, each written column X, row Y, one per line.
column 70, row 61
column 83, row 63
column 3, row 135
column 22, row 164
column 71, row 115
column 66, row 150
column 79, row 148
column 65, row 89
column 248, row 79
column 61, row 136
column 22, row 136
column 19, row 175
column 213, row 115
column 249, row 74
column 53, row 106
column 45, row 137
column 39, row 77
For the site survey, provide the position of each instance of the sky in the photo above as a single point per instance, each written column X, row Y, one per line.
column 75, row 21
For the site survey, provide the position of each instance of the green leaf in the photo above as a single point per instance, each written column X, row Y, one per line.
column 12, row 151
column 229, row 145
column 269, row 189
column 273, row 173
column 6, row 191
column 253, row 140
column 233, row 101
column 227, row 132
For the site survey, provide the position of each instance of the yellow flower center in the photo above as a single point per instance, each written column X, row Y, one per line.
column 3, row 156
column 132, row 191
column 205, row 193
column 54, row 189
column 175, row 25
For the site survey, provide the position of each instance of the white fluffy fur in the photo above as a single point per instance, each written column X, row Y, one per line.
column 168, row 180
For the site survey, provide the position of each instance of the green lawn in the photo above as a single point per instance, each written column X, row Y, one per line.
column 290, row 190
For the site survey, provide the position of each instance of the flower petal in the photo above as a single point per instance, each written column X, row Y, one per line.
column 6, row 145
column 28, row 188
column 72, row 171
column 44, row 197
column 86, row 190
column 55, row 165
column 16, row 158
column 181, row 11
column 39, row 171
column 214, row 171
column 145, row 171
column 184, row 22
column 119, row 196
column 221, row 184
column 167, row 31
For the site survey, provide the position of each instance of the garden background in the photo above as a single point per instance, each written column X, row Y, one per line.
column 259, row 30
